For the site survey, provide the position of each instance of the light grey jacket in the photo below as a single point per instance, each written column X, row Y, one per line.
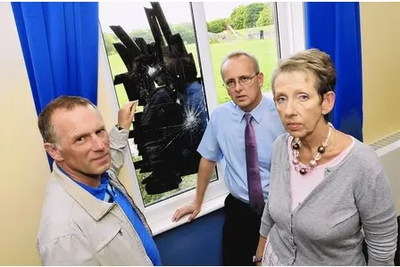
column 78, row 229
column 325, row 229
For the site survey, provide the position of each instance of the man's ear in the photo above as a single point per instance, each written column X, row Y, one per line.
column 328, row 102
column 260, row 79
column 53, row 151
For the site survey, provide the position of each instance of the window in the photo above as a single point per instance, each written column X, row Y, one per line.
column 167, row 55
column 153, row 59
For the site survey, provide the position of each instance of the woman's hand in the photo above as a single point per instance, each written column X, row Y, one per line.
column 260, row 249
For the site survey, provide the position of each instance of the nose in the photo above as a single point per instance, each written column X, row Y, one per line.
column 290, row 109
column 97, row 143
column 238, row 87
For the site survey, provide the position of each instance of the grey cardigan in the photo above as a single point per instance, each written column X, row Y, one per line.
column 325, row 229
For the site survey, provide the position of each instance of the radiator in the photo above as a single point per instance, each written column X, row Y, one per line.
column 388, row 149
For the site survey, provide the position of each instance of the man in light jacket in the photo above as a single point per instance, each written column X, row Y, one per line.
column 88, row 217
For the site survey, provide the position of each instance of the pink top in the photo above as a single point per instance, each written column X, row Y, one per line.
column 302, row 185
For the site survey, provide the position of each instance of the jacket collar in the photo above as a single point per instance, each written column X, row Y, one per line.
column 93, row 206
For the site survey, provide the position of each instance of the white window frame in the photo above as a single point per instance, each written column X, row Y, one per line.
column 290, row 21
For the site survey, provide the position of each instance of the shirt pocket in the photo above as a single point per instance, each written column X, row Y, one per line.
column 117, row 247
column 109, row 236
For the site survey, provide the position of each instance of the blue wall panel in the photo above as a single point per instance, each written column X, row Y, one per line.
column 197, row 243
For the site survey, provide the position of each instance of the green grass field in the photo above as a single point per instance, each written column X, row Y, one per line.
column 265, row 50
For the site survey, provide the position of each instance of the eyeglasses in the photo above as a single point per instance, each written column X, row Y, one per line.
column 242, row 80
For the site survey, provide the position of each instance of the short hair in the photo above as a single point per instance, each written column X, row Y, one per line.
column 311, row 61
column 236, row 54
column 62, row 102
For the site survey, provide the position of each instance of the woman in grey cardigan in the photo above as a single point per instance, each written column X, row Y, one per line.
column 328, row 191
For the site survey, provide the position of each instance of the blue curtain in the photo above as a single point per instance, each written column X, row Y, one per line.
column 59, row 41
column 335, row 29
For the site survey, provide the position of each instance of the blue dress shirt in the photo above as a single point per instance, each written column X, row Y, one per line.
column 224, row 140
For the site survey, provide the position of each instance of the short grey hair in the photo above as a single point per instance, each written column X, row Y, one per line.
column 236, row 54
column 62, row 102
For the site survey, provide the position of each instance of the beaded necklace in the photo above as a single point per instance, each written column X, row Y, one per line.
column 296, row 144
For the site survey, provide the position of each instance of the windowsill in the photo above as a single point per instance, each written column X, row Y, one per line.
column 166, row 223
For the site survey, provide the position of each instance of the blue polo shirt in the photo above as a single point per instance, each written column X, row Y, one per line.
column 223, row 141
column 119, row 198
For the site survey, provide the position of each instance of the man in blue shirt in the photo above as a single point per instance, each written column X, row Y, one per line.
column 88, row 217
column 224, row 139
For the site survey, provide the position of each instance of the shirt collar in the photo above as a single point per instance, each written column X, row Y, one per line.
column 257, row 112
column 95, row 207
column 105, row 179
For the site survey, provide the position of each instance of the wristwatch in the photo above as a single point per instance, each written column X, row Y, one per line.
column 257, row 259
column 118, row 127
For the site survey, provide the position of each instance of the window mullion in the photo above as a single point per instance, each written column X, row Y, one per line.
column 200, row 25
column 290, row 18
column 206, row 67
